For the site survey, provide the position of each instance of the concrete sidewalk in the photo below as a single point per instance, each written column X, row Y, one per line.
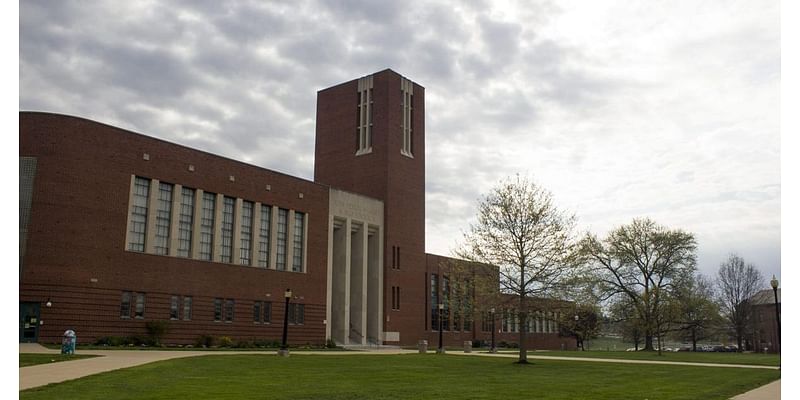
column 769, row 391
column 43, row 374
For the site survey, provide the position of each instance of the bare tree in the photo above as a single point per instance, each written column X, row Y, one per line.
column 521, row 231
column 737, row 284
column 639, row 261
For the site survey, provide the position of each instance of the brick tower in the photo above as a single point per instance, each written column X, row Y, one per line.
column 370, row 140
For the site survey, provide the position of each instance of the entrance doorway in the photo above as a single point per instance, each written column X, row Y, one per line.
column 28, row 322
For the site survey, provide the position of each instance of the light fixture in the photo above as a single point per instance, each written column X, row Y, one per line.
column 49, row 303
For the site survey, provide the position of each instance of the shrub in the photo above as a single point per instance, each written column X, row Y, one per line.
column 330, row 344
column 109, row 341
column 224, row 341
column 157, row 330
column 205, row 341
column 244, row 344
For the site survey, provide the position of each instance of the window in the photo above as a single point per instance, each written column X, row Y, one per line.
column 395, row 257
column 257, row 311
column 217, row 309
column 163, row 218
column 173, row 307
column 185, row 220
column 456, row 306
column 228, row 204
column 141, row 192
column 246, row 233
column 296, row 314
column 267, row 312
column 364, row 116
column 229, row 306
column 434, row 302
column 262, row 312
column 207, row 225
column 446, row 302
column 467, row 302
column 263, row 237
column 125, row 305
column 187, row 308
column 407, row 91
column 395, row 298
column 139, row 312
column 280, row 262
column 297, row 255
column 486, row 321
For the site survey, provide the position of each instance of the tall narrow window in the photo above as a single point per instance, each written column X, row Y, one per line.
column 267, row 312
column 229, row 306
column 297, row 255
column 434, row 302
column 257, row 311
column 163, row 218
column 173, row 307
column 229, row 203
column 280, row 261
column 139, row 311
column 207, row 225
column 141, row 191
column 185, row 221
column 407, row 91
column 187, row 308
column 364, row 116
column 217, row 309
column 446, row 302
column 263, row 237
column 125, row 305
column 246, row 233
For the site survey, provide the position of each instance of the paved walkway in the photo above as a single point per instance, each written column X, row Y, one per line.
column 43, row 374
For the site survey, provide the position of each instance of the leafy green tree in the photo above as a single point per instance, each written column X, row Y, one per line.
column 640, row 262
column 697, row 315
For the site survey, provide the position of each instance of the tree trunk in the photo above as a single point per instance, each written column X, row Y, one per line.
column 694, row 341
column 739, row 342
column 659, row 344
column 523, row 351
column 648, row 342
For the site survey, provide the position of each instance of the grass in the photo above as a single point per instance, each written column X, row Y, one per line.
column 413, row 376
column 682, row 356
column 28, row 359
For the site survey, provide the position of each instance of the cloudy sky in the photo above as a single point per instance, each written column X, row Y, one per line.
column 664, row 109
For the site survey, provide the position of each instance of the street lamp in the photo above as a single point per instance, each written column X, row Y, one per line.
column 494, row 347
column 440, row 350
column 577, row 336
column 774, row 283
column 284, row 351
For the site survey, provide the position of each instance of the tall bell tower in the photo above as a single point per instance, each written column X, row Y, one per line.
column 370, row 140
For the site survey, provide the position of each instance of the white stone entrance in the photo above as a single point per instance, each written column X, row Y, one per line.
column 355, row 269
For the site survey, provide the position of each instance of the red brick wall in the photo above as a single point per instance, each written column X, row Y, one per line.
column 77, row 234
column 384, row 174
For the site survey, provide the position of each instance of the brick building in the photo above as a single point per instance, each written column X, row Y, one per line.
column 118, row 229
column 765, row 325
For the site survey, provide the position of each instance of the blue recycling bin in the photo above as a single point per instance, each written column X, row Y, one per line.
column 68, row 342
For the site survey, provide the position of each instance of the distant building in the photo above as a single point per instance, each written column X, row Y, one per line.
column 765, row 326
column 118, row 229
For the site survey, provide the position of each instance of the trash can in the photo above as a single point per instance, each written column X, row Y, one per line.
column 423, row 346
column 468, row 346
column 68, row 342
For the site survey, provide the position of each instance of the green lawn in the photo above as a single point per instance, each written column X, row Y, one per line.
column 684, row 356
column 403, row 377
column 27, row 359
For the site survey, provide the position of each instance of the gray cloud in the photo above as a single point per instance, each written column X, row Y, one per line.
column 619, row 112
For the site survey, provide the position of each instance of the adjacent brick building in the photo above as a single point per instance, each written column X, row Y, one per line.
column 118, row 229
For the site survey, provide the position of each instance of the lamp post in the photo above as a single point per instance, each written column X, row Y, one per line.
column 578, row 342
column 774, row 283
column 440, row 350
column 494, row 347
column 284, row 351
